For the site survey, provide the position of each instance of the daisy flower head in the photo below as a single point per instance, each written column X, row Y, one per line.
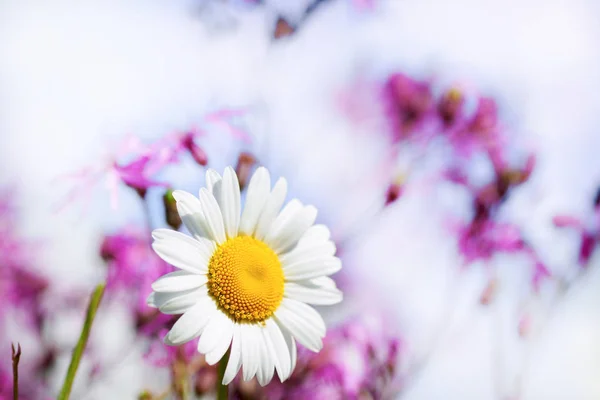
column 245, row 278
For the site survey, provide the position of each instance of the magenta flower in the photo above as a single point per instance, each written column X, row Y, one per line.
column 160, row 355
column 588, row 237
column 135, row 174
column 481, row 239
column 20, row 285
column 132, row 265
column 409, row 103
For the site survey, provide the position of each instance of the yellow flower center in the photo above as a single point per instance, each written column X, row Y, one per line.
column 246, row 279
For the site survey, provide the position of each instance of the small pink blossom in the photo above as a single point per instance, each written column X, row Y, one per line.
column 132, row 265
column 409, row 103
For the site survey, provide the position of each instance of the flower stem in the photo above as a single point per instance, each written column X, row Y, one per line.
column 16, row 356
column 65, row 392
column 222, row 389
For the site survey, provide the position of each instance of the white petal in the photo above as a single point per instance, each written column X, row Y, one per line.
column 303, row 322
column 315, row 235
column 214, row 218
column 307, row 314
column 190, row 211
column 180, row 302
column 223, row 342
column 256, row 197
column 290, row 343
column 229, row 202
column 212, row 177
column 312, row 269
column 178, row 281
column 250, row 356
column 151, row 300
column 192, row 322
column 271, row 209
column 289, row 227
column 218, row 325
column 266, row 365
column 312, row 294
column 182, row 251
column 235, row 356
column 281, row 352
column 323, row 281
column 301, row 254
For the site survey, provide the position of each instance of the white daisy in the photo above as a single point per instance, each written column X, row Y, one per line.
column 246, row 277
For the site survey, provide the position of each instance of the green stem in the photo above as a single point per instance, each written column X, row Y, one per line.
column 65, row 392
column 222, row 389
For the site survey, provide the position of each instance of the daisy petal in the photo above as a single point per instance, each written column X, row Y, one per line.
column 271, row 209
column 182, row 251
column 212, row 177
column 302, row 254
column 214, row 218
column 191, row 323
column 256, row 197
column 266, row 365
column 289, row 227
column 306, row 313
column 224, row 340
column 303, row 322
column 178, row 281
column 219, row 325
column 235, row 356
column 229, row 202
column 312, row 269
column 281, row 352
column 313, row 294
column 180, row 302
column 190, row 211
column 290, row 343
column 250, row 336
column 315, row 235
column 323, row 281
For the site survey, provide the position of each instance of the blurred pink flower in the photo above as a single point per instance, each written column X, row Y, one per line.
column 136, row 164
column 132, row 265
column 481, row 239
column 588, row 237
column 135, row 174
column 20, row 285
column 408, row 103
column 160, row 355
column 358, row 358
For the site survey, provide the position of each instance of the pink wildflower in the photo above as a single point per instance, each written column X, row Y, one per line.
column 409, row 103
column 132, row 265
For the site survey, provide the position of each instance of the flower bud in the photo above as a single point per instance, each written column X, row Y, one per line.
column 198, row 154
column 488, row 294
column 243, row 168
column 393, row 193
column 283, row 29
column 145, row 395
column 450, row 106
column 171, row 215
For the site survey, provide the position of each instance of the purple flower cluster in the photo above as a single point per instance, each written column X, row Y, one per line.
column 416, row 114
column 359, row 359
column 22, row 291
column 589, row 234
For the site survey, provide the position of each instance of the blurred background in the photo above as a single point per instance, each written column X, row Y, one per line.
column 450, row 146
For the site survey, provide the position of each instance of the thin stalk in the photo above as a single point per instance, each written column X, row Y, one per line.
column 95, row 299
column 16, row 356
